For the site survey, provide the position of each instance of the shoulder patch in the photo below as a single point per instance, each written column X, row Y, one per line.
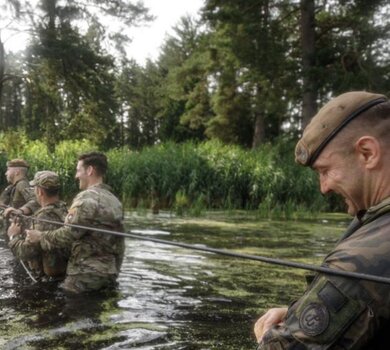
column 314, row 319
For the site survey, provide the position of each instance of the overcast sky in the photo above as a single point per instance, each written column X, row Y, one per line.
column 146, row 39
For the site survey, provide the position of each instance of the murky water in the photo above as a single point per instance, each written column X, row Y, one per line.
column 170, row 297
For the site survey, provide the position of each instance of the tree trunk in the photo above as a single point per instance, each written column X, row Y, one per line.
column 2, row 69
column 259, row 131
column 309, row 103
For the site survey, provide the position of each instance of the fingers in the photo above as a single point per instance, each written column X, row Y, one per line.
column 259, row 329
column 268, row 320
column 33, row 236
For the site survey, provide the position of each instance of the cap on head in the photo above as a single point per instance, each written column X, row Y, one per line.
column 330, row 120
column 46, row 179
column 17, row 163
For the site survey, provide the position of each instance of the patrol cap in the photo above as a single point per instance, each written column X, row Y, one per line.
column 17, row 163
column 46, row 179
column 329, row 120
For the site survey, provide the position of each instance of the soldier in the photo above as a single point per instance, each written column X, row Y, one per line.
column 347, row 143
column 96, row 257
column 43, row 265
column 18, row 196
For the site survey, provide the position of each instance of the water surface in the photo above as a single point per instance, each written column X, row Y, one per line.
column 170, row 297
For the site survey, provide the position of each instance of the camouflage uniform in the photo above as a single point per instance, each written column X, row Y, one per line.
column 18, row 194
column 95, row 257
column 342, row 313
column 5, row 196
column 41, row 263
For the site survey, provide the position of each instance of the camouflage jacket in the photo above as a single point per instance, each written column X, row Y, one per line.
column 20, row 195
column 41, row 263
column 5, row 196
column 344, row 313
column 91, row 252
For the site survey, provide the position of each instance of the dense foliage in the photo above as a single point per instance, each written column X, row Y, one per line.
column 189, row 176
column 245, row 73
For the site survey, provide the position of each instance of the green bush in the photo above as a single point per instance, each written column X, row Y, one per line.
column 188, row 177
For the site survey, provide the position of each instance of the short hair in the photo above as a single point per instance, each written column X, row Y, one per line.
column 23, row 170
column 97, row 160
column 373, row 122
column 50, row 192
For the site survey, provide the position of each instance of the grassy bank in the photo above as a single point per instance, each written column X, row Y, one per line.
column 189, row 177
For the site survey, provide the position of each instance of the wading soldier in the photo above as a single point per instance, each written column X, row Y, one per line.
column 18, row 196
column 95, row 257
column 45, row 265
column 348, row 144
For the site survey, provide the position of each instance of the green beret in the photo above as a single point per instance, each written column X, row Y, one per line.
column 17, row 163
column 46, row 179
column 330, row 119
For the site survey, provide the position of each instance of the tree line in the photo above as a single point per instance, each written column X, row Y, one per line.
column 247, row 72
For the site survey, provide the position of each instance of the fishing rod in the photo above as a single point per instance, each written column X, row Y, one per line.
column 274, row 261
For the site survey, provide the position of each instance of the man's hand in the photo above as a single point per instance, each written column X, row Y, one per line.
column 269, row 319
column 33, row 236
column 9, row 211
column 14, row 229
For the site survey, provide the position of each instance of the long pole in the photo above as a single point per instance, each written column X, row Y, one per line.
column 274, row 261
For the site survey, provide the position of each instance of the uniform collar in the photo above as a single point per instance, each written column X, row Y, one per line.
column 375, row 211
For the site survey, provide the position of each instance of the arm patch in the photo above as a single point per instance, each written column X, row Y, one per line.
column 326, row 310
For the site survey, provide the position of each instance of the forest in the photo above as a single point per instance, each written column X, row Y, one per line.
column 247, row 74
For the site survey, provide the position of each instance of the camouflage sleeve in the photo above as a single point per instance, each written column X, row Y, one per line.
column 64, row 237
column 32, row 205
column 23, row 250
column 61, row 238
column 333, row 310
column 47, row 226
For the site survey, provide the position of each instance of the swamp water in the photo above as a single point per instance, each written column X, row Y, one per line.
column 170, row 297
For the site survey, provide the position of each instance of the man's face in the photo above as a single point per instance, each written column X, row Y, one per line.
column 11, row 174
column 341, row 174
column 82, row 175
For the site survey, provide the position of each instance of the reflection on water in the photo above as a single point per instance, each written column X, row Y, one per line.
column 167, row 297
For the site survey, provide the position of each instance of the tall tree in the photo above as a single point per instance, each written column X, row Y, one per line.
column 138, row 93
column 185, row 95
column 309, row 93
column 250, row 35
column 72, row 93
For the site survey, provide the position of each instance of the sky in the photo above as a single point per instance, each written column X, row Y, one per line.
column 147, row 39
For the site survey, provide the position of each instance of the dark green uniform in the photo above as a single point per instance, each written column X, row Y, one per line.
column 42, row 263
column 18, row 194
column 342, row 313
column 5, row 196
column 95, row 257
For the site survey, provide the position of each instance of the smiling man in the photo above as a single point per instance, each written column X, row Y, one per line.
column 348, row 144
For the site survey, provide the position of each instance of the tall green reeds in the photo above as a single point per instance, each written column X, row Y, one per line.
column 215, row 176
column 189, row 177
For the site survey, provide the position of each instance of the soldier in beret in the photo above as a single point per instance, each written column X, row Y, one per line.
column 43, row 265
column 347, row 143
column 95, row 257
column 18, row 196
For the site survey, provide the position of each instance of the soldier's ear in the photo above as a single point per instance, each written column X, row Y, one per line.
column 90, row 170
column 369, row 151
